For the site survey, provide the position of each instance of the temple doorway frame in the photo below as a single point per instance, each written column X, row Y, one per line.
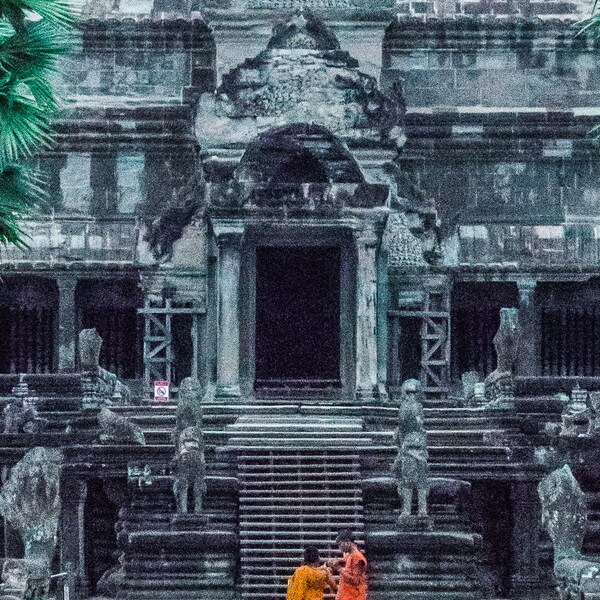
column 314, row 235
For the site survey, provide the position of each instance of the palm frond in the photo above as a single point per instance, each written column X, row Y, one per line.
column 20, row 191
column 34, row 52
column 56, row 11
column 25, row 127
column 591, row 25
column 33, row 34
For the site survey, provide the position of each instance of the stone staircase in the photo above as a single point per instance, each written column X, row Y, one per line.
column 299, row 484
column 187, row 563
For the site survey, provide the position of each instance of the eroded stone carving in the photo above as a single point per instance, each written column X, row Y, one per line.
column 412, row 472
column 115, row 429
column 24, row 579
column 298, row 167
column 302, row 77
column 190, row 470
column 189, row 464
column 104, row 386
column 20, row 414
column 564, row 516
column 90, row 346
column 577, row 416
column 499, row 384
column 410, row 468
column 410, row 411
column 30, row 500
column 413, row 228
column 469, row 381
column 403, row 247
column 189, row 404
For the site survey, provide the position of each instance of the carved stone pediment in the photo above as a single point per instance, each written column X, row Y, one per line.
column 302, row 77
column 300, row 168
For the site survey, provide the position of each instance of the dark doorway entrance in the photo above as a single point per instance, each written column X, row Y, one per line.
column 297, row 316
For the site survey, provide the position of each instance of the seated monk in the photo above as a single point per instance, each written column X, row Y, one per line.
column 310, row 580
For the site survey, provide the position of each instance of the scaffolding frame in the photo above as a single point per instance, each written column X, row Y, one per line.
column 158, row 338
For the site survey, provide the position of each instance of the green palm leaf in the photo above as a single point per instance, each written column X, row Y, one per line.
column 20, row 191
column 57, row 11
column 33, row 33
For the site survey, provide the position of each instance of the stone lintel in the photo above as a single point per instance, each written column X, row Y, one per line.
column 228, row 231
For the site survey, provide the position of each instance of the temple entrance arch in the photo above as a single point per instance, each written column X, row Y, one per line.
column 297, row 229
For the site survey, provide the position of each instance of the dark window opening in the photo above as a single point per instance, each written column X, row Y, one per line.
column 570, row 328
column 28, row 310
column 298, row 315
column 405, row 354
column 475, row 321
column 301, row 168
column 111, row 307
column 181, row 333
column 103, row 181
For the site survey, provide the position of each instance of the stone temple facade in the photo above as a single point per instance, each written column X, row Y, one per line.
column 302, row 205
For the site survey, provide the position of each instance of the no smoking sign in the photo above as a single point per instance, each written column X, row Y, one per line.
column 161, row 391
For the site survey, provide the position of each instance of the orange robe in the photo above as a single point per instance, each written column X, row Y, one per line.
column 353, row 577
column 307, row 583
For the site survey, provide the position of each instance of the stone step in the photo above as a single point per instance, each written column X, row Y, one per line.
column 345, row 442
column 263, row 564
column 305, row 508
column 289, row 457
column 277, row 552
column 272, row 485
column 277, row 423
column 340, row 489
column 265, row 527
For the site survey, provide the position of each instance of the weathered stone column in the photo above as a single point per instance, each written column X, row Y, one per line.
column 525, row 539
column 72, row 533
column 67, row 316
column 528, row 359
column 229, row 240
column 366, row 314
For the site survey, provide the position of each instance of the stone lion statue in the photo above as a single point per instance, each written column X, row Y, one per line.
column 115, row 429
column 30, row 501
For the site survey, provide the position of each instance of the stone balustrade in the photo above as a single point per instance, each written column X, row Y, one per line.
column 525, row 245
column 75, row 240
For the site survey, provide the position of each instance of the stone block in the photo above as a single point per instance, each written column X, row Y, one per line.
column 464, row 60
column 533, row 59
column 488, row 60
column 504, row 87
column 440, row 59
column 419, row 96
column 407, row 61
column 467, row 96
column 439, row 78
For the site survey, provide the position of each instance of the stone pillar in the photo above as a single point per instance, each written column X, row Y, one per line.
column 366, row 314
column 528, row 359
column 229, row 240
column 525, row 579
column 72, row 533
column 67, row 328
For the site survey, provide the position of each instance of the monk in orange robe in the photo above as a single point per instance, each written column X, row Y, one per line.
column 352, row 569
column 310, row 580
